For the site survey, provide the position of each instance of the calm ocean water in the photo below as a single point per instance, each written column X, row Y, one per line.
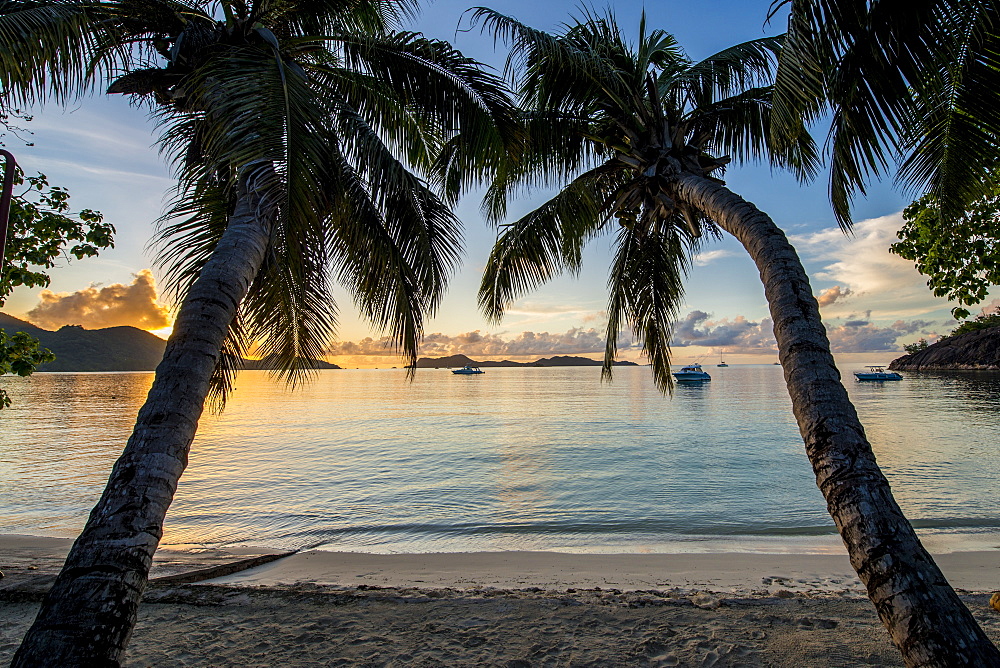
column 552, row 459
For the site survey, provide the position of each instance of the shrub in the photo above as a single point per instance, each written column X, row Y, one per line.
column 984, row 321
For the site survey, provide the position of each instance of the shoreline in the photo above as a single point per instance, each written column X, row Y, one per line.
column 734, row 573
column 505, row 609
column 731, row 574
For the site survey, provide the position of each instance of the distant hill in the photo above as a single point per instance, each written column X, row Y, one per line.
column 79, row 349
column 108, row 349
column 973, row 350
column 261, row 365
column 462, row 360
column 565, row 360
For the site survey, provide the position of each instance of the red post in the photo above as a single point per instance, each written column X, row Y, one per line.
column 8, row 191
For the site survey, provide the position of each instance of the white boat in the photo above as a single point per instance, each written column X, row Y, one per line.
column 877, row 373
column 468, row 370
column 691, row 374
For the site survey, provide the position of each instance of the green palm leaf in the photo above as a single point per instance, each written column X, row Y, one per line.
column 549, row 240
column 646, row 284
column 729, row 72
column 909, row 86
column 613, row 124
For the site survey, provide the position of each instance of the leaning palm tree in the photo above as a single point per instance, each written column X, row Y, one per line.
column 912, row 85
column 636, row 137
column 312, row 142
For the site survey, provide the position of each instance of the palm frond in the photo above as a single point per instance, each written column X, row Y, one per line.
column 223, row 380
column 895, row 80
column 572, row 69
column 471, row 106
column 800, row 80
column 728, row 72
column 740, row 126
column 549, row 240
column 45, row 50
column 400, row 126
column 555, row 149
column 321, row 17
column 646, row 285
column 951, row 135
column 393, row 247
column 525, row 43
column 62, row 49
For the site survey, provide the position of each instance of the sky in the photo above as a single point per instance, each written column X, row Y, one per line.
column 102, row 150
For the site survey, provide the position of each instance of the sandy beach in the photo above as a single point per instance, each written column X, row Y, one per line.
column 495, row 608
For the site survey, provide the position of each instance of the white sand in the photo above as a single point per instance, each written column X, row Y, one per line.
column 728, row 573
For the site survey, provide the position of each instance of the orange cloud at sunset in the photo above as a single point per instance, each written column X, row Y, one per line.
column 108, row 306
column 831, row 295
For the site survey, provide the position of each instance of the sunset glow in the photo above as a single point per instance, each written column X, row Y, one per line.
column 164, row 332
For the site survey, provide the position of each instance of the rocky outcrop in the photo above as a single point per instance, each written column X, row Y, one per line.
column 973, row 350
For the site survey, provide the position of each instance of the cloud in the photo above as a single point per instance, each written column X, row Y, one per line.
column 109, row 306
column 991, row 308
column 861, row 266
column 738, row 334
column 913, row 326
column 576, row 341
column 702, row 259
column 831, row 295
column 859, row 336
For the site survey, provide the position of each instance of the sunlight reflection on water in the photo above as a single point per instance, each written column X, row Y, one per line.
column 513, row 459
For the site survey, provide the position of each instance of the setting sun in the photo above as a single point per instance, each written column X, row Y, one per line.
column 163, row 332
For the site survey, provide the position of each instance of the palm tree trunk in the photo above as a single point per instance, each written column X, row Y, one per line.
column 926, row 620
column 88, row 615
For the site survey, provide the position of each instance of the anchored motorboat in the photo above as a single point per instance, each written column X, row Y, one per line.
column 877, row 373
column 691, row 374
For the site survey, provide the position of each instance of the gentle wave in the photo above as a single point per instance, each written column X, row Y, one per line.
column 513, row 459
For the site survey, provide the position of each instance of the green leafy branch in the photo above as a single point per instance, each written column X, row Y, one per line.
column 40, row 232
column 20, row 354
column 982, row 321
column 960, row 256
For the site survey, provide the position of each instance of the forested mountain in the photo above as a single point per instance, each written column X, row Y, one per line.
column 108, row 349
column 79, row 349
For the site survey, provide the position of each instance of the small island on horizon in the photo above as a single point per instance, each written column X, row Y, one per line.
column 558, row 360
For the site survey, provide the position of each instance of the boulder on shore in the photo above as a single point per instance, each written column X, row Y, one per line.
column 973, row 350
